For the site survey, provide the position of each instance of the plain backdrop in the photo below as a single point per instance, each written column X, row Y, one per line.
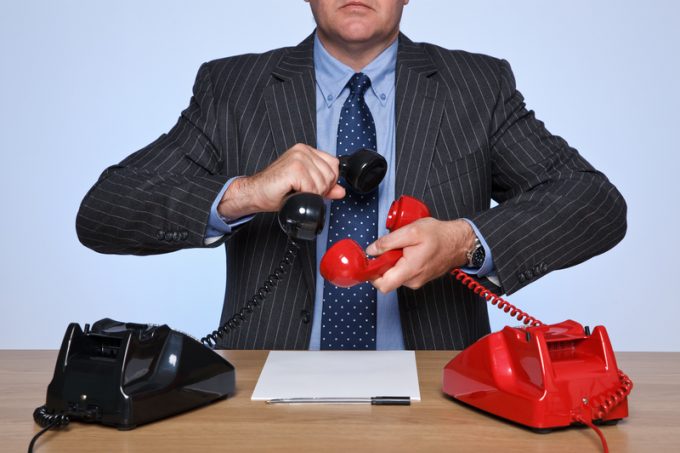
column 83, row 84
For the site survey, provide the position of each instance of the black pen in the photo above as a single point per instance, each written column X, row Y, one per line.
column 374, row 400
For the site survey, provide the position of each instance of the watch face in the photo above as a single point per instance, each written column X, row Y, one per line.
column 478, row 257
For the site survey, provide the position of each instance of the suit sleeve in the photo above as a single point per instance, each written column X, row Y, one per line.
column 158, row 199
column 555, row 210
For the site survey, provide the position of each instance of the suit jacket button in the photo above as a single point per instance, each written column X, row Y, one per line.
column 529, row 274
column 184, row 235
column 168, row 236
column 160, row 235
column 304, row 314
column 176, row 236
column 544, row 268
column 522, row 277
column 537, row 269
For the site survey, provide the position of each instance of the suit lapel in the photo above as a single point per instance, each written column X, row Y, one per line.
column 291, row 98
column 418, row 114
column 291, row 106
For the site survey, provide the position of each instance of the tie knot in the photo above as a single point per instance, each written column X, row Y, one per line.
column 358, row 84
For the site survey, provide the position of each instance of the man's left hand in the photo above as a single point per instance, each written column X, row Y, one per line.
column 431, row 248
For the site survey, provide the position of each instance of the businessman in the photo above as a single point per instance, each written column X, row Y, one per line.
column 455, row 133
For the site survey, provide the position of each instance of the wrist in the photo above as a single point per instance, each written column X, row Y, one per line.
column 463, row 239
column 237, row 201
column 475, row 254
column 469, row 237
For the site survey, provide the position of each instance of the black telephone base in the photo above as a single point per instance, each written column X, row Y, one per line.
column 124, row 374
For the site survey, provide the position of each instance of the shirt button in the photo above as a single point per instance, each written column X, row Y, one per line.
column 329, row 97
column 383, row 96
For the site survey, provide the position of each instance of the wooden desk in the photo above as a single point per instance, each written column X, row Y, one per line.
column 434, row 424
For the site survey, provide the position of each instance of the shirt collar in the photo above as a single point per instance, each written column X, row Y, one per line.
column 332, row 75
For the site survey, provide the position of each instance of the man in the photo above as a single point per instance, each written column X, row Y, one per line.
column 455, row 133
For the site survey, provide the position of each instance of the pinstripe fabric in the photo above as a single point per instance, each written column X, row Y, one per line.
column 464, row 136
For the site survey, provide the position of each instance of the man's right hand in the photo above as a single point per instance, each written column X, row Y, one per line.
column 301, row 168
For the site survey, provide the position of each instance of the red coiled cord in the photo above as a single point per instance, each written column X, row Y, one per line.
column 495, row 299
column 604, row 403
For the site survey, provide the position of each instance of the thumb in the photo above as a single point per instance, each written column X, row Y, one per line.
column 397, row 239
column 393, row 240
column 372, row 249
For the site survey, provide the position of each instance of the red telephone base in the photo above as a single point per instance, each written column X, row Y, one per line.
column 542, row 377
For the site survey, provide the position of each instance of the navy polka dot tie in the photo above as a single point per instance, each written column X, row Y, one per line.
column 349, row 314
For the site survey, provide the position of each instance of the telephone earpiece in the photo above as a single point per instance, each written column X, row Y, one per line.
column 405, row 210
column 363, row 170
column 345, row 264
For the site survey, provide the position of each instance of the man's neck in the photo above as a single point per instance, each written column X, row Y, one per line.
column 355, row 55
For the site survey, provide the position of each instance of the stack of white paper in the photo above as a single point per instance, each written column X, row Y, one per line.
column 338, row 374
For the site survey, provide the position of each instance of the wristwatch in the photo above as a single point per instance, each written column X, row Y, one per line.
column 476, row 255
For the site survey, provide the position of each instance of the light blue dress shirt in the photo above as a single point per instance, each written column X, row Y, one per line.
column 331, row 92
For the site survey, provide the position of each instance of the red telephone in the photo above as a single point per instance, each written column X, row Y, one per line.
column 541, row 376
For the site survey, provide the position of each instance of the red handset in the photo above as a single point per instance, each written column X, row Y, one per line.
column 345, row 264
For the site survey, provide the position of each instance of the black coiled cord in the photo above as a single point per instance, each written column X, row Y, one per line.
column 46, row 420
column 273, row 279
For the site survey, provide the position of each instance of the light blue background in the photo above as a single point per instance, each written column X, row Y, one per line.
column 84, row 83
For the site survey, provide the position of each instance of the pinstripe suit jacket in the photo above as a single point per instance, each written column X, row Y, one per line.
column 464, row 137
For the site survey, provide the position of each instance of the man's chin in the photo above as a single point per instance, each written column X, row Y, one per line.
column 358, row 34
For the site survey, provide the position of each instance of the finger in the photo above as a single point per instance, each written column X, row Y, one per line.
column 337, row 192
column 329, row 159
column 330, row 174
column 324, row 161
column 313, row 180
column 379, row 284
column 325, row 164
column 416, row 282
column 398, row 239
column 395, row 277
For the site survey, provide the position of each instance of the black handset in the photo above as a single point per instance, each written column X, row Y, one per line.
column 302, row 214
column 302, row 217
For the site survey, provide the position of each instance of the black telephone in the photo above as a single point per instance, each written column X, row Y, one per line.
column 117, row 373
column 126, row 374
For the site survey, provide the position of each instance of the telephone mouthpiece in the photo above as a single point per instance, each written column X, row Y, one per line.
column 302, row 216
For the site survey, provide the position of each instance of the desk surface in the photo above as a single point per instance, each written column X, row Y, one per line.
column 434, row 424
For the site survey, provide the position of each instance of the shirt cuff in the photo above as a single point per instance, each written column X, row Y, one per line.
column 487, row 269
column 219, row 226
